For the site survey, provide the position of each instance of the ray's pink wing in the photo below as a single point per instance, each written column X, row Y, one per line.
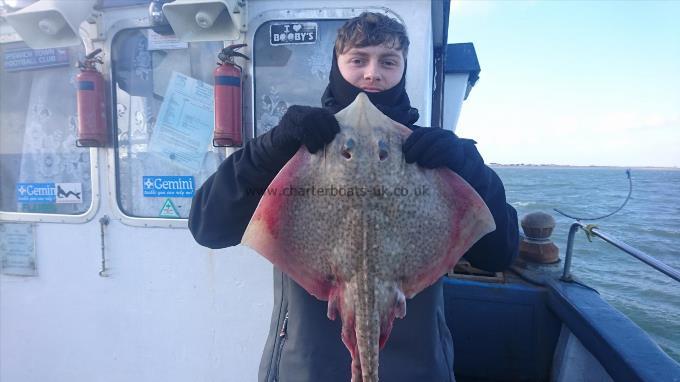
column 274, row 229
column 469, row 219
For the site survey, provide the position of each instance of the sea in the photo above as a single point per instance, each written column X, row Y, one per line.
column 650, row 222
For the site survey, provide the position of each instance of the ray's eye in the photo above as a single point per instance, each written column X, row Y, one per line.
column 347, row 148
column 383, row 150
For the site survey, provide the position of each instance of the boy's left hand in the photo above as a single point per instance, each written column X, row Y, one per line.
column 434, row 147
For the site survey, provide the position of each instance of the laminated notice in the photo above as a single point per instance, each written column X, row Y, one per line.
column 185, row 122
column 17, row 249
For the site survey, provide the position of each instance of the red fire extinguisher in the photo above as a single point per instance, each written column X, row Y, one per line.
column 228, row 98
column 91, row 103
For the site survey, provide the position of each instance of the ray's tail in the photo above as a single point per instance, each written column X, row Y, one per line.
column 367, row 330
column 367, row 310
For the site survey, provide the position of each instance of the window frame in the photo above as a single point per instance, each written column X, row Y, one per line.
column 39, row 217
column 304, row 15
column 113, row 179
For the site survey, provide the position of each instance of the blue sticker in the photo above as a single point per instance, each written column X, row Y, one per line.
column 36, row 193
column 168, row 186
column 27, row 59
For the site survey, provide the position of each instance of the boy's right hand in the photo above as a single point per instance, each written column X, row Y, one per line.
column 313, row 127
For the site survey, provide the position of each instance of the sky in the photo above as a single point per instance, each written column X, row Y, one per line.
column 573, row 82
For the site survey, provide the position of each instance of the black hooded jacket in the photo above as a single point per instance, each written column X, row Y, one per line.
column 303, row 344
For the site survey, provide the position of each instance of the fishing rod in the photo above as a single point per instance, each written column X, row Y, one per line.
column 630, row 192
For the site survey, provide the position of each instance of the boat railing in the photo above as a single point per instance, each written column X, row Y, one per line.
column 592, row 230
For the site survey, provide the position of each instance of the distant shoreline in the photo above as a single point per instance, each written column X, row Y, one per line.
column 493, row 164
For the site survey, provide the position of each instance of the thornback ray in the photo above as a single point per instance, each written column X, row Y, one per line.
column 358, row 227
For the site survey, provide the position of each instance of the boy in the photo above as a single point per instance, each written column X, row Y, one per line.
column 303, row 344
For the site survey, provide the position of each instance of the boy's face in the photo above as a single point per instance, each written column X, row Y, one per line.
column 372, row 68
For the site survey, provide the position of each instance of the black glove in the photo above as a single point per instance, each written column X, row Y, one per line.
column 433, row 148
column 313, row 127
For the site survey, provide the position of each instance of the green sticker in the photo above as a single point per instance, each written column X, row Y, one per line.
column 169, row 210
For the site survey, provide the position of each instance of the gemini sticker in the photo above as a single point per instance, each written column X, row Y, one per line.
column 36, row 192
column 168, row 186
column 292, row 33
column 49, row 192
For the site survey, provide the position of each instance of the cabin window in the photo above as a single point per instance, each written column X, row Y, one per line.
column 292, row 59
column 41, row 170
column 164, row 122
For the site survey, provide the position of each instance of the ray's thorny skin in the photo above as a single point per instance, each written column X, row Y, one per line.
column 366, row 255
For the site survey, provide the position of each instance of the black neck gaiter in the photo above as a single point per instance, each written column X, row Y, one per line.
column 393, row 102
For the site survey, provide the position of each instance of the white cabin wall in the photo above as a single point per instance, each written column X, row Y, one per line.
column 170, row 310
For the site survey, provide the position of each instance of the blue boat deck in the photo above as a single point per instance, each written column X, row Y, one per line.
column 530, row 326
